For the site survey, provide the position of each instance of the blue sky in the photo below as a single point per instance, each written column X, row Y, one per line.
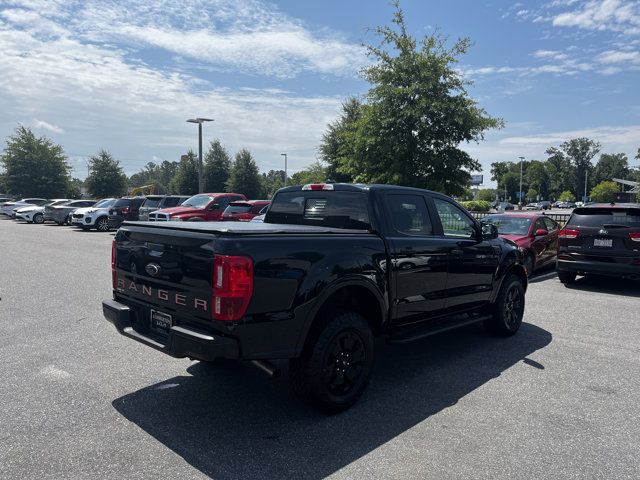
column 125, row 75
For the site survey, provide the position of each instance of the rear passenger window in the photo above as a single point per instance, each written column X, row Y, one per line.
column 455, row 222
column 409, row 215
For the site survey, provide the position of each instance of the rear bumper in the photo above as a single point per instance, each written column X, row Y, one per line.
column 598, row 268
column 115, row 221
column 181, row 342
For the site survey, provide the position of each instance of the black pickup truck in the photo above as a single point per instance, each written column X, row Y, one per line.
column 331, row 267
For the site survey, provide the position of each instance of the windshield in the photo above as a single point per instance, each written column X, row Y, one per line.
column 509, row 225
column 198, row 201
column 122, row 202
column 237, row 209
column 326, row 209
column 598, row 217
column 152, row 202
column 107, row 202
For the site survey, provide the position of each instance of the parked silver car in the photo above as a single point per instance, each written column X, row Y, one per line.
column 34, row 213
column 61, row 214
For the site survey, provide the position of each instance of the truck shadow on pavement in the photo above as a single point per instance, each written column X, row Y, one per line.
column 231, row 421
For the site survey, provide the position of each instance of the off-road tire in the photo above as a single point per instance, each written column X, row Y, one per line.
column 340, row 346
column 508, row 309
column 567, row 277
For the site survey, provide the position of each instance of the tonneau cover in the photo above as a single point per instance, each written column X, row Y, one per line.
column 243, row 228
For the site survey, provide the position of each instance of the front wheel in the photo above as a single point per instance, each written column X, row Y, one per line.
column 508, row 309
column 102, row 225
column 38, row 218
column 335, row 367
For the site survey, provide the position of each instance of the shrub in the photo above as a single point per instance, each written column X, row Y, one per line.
column 477, row 205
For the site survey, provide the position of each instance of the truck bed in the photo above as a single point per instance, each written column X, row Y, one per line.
column 244, row 228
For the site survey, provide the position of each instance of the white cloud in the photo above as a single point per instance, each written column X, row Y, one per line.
column 99, row 97
column 615, row 15
column 46, row 126
column 614, row 138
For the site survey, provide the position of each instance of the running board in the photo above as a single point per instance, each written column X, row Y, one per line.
column 426, row 329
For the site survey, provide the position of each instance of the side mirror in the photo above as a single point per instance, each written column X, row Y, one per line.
column 541, row 232
column 489, row 231
column 215, row 206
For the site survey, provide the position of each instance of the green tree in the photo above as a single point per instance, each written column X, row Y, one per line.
column 185, row 180
column 567, row 196
column 532, row 195
column 605, row 192
column 611, row 166
column 416, row 114
column 217, row 166
column 314, row 173
column 338, row 142
column 512, row 183
column 272, row 181
column 34, row 166
column 487, row 194
column 244, row 177
column 579, row 152
column 537, row 178
column 75, row 188
column 106, row 177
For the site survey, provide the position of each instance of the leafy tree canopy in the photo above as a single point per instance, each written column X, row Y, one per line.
column 185, row 180
column 567, row 196
column 34, row 166
column 416, row 115
column 244, row 177
column 611, row 166
column 217, row 166
column 605, row 192
column 314, row 173
column 106, row 177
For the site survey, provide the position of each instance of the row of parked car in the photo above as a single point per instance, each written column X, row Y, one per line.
column 599, row 239
column 109, row 213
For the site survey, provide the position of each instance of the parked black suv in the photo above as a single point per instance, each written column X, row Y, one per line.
column 126, row 208
column 158, row 202
column 601, row 239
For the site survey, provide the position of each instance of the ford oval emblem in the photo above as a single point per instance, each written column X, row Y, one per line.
column 153, row 269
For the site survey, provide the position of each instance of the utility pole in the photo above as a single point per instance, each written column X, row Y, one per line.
column 200, row 121
column 285, row 168
column 520, row 193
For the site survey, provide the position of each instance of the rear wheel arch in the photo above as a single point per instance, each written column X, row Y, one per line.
column 356, row 296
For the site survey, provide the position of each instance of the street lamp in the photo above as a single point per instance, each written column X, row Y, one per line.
column 285, row 168
column 520, row 192
column 200, row 121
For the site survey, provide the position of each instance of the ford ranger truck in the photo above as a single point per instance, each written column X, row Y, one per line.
column 332, row 267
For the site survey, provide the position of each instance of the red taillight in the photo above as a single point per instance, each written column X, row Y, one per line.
column 232, row 287
column 318, row 186
column 635, row 236
column 569, row 233
column 113, row 263
column 125, row 210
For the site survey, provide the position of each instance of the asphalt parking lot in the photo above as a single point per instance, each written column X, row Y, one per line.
column 558, row 400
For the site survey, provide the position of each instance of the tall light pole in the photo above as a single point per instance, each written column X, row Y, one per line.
column 586, row 175
column 200, row 121
column 285, row 168
column 520, row 192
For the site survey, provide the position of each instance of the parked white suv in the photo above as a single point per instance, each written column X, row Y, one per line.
column 96, row 216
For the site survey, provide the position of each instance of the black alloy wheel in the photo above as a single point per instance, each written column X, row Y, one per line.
column 344, row 363
column 508, row 309
column 336, row 364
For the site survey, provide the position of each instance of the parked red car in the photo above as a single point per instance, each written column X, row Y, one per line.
column 244, row 211
column 203, row 207
column 535, row 234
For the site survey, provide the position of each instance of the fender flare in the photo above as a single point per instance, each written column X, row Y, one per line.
column 325, row 294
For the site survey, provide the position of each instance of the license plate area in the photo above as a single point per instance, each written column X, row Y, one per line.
column 603, row 242
column 161, row 322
